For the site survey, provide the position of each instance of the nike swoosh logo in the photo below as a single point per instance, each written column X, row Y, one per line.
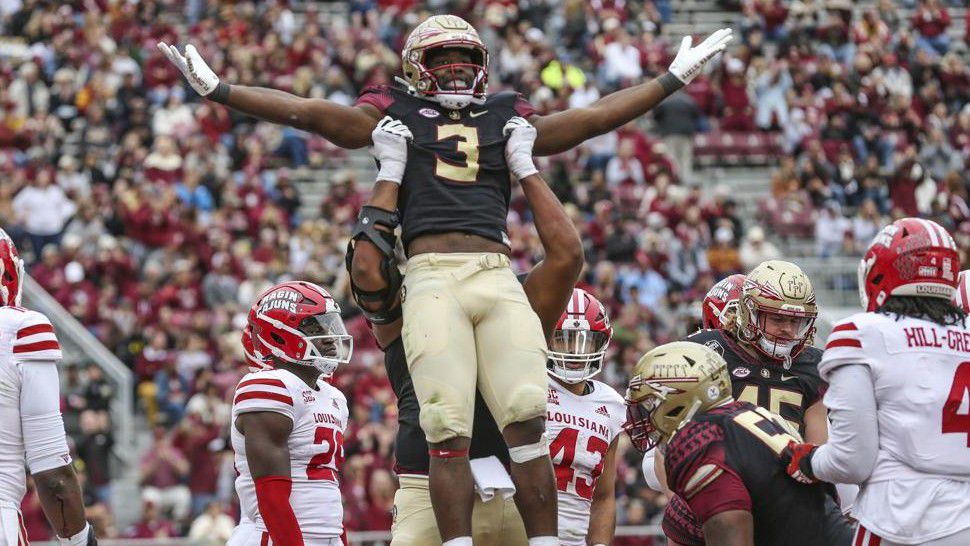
column 476, row 114
column 787, row 377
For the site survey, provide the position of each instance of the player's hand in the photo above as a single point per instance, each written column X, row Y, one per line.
column 390, row 148
column 797, row 459
column 195, row 70
column 690, row 60
column 518, row 149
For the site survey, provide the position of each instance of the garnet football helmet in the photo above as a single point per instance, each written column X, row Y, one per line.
column 300, row 322
column 439, row 83
column 579, row 342
column 670, row 384
column 910, row 257
column 721, row 301
column 11, row 272
column 961, row 296
column 782, row 289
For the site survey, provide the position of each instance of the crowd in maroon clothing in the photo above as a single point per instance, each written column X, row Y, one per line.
column 185, row 210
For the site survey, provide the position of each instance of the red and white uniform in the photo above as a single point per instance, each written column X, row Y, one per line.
column 31, row 428
column 581, row 429
column 906, row 382
column 316, row 451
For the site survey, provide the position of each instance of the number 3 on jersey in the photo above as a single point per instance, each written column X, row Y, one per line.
column 563, row 453
column 466, row 138
column 956, row 421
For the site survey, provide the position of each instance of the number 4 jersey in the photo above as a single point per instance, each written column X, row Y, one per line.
column 582, row 429
column 919, row 489
column 319, row 418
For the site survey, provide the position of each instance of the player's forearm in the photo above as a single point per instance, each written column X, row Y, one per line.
column 602, row 520
column 60, row 497
column 732, row 528
column 850, row 454
column 565, row 130
column 560, row 240
column 345, row 126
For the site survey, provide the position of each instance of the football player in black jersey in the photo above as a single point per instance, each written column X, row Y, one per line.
column 722, row 455
column 454, row 201
column 766, row 342
column 548, row 287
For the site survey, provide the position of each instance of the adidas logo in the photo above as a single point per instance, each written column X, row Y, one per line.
column 603, row 411
column 552, row 397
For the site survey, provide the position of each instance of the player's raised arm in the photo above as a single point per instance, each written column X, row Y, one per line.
column 564, row 130
column 551, row 282
column 345, row 126
column 731, row 528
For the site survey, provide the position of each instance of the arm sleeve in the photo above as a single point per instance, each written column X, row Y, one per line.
column 40, row 417
column 524, row 108
column 649, row 472
column 378, row 96
column 850, row 454
column 726, row 492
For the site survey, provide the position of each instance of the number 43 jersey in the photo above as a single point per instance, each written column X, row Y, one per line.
column 319, row 418
column 581, row 429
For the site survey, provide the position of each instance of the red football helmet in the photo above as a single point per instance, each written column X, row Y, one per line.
column 300, row 322
column 11, row 272
column 910, row 257
column 722, row 300
column 961, row 296
column 580, row 339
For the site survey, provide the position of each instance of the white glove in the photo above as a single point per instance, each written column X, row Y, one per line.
column 199, row 75
column 390, row 148
column 690, row 60
column 518, row 149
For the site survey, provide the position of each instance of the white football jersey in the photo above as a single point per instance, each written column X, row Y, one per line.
column 27, row 339
column 316, row 447
column 581, row 429
column 919, row 489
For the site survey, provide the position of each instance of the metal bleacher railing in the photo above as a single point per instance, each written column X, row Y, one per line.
column 79, row 346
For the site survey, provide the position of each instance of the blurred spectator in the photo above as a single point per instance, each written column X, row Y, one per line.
column 723, row 255
column 213, row 527
column 678, row 120
column 164, row 470
column 152, row 523
column 931, row 20
column 43, row 210
column 830, row 230
column 755, row 249
column 94, row 448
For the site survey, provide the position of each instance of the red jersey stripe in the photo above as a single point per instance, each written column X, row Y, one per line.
column 262, row 381
column 35, row 329
column 38, row 346
column 261, row 395
column 844, row 343
column 845, row 327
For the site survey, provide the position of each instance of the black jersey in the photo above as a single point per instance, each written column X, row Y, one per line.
column 456, row 179
column 787, row 392
column 410, row 447
column 743, row 443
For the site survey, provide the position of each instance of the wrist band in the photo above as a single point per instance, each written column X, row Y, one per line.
column 220, row 94
column 670, row 83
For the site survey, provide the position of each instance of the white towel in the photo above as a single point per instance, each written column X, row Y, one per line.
column 491, row 479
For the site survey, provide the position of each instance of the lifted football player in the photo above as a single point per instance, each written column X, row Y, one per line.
column 548, row 287
column 288, row 423
column 899, row 376
column 766, row 342
column 722, row 456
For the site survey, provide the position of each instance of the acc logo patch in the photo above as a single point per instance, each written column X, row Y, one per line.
column 716, row 346
column 429, row 113
column 740, row 371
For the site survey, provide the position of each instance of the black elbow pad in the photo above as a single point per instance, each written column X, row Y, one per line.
column 385, row 241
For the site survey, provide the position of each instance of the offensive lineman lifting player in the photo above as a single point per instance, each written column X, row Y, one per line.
column 453, row 205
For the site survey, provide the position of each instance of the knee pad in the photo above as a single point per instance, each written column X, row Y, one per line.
column 529, row 452
column 438, row 423
column 526, row 402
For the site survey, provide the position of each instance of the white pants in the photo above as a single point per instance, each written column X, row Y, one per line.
column 12, row 529
column 246, row 534
column 960, row 538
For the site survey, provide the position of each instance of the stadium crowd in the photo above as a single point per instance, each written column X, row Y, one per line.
column 156, row 218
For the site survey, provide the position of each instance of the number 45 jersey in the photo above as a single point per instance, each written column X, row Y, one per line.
column 581, row 429
column 919, row 489
column 319, row 416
